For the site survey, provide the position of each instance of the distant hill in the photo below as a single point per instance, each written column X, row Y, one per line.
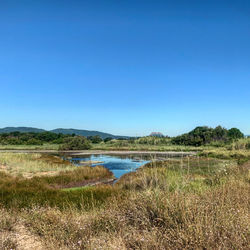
column 21, row 129
column 60, row 130
column 85, row 133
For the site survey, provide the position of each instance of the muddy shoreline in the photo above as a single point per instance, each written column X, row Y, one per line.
column 104, row 152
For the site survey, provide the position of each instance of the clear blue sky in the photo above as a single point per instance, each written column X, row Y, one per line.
column 125, row 67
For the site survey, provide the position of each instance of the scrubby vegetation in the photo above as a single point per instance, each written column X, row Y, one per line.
column 95, row 139
column 18, row 138
column 75, row 143
column 205, row 135
column 197, row 140
column 202, row 139
column 185, row 203
column 66, row 142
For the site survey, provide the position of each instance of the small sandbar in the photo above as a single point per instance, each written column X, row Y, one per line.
column 90, row 162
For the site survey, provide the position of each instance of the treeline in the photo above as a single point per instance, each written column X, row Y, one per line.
column 30, row 138
column 34, row 138
column 218, row 136
column 206, row 135
column 67, row 142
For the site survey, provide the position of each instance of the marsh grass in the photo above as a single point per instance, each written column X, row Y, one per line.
column 16, row 192
column 240, row 155
column 30, row 147
column 29, row 165
column 35, row 179
column 152, row 218
column 189, row 173
column 187, row 203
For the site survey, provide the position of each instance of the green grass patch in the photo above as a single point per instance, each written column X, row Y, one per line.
column 30, row 147
column 76, row 188
column 23, row 193
column 189, row 174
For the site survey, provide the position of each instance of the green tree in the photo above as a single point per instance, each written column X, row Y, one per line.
column 234, row 134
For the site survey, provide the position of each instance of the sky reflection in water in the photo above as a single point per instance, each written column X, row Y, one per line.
column 119, row 165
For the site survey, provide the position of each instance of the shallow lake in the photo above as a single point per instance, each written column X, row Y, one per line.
column 119, row 165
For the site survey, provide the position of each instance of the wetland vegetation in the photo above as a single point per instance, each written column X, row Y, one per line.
column 190, row 202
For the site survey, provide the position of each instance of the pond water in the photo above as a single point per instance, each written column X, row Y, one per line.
column 119, row 165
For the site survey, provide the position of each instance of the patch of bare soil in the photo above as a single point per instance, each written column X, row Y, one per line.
column 90, row 162
column 40, row 174
column 3, row 167
column 246, row 165
column 7, row 241
column 25, row 240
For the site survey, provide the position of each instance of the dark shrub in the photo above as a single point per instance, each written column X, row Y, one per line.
column 205, row 135
column 95, row 139
column 108, row 139
column 34, row 141
column 75, row 143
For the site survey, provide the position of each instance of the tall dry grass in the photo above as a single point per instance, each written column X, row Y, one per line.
column 29, row 165
column 191, row 203
column 151, row 219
